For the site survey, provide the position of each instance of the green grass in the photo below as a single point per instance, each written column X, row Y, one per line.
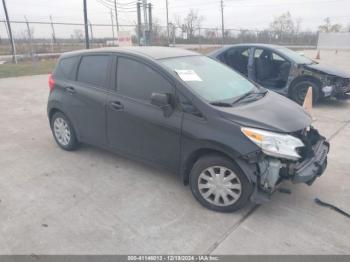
column 27, row 68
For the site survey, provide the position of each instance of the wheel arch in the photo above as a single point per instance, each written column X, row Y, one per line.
column 52, row 111
column 304, row 78
column 201, row 152
column 56, row 109
column 193, row 158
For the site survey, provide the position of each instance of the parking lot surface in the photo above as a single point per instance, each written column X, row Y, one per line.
column 91, row 201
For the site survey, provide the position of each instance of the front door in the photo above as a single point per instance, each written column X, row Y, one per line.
column 134, row 125
column 271, row 70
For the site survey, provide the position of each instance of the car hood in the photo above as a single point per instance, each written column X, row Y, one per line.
column 273, row 112
column 328, row 70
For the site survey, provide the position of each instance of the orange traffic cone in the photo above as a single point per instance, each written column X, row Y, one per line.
column 318, row 56
column 307, row 105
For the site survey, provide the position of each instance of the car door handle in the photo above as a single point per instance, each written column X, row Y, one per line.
column 116, row 105
column 70, row 90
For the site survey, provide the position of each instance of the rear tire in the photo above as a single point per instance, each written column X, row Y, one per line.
column 219, row 184
column 299, row 90
column 63, row 132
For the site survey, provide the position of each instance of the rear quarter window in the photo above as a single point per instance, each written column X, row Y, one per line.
column 93, row 70
column 66, row 68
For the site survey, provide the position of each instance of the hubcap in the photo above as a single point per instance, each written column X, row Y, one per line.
column 62, row 132
column 219, row 186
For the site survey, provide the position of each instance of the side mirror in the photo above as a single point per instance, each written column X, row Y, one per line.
column 163, row 101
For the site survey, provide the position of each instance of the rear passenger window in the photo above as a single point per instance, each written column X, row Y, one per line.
column 93, row 70
column 136, row 80
column 65, row 67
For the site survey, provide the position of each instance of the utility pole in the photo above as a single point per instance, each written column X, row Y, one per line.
column 14, row 59
column 91, row 35
column 112, row 24
column 145, row 20
column 30, row 39
column 167, row 21
column 199, row 38
column 87, row 44
column 53, row 30
column 116, row 15
column 138, row 4
column 222, row 22
column 150, row 23
column 174, row 34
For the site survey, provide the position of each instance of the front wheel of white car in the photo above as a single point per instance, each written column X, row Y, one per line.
column 219, row 184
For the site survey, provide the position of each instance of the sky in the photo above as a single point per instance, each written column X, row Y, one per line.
column 238, row 14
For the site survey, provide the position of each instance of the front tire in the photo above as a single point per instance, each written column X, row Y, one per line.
column 299, row 90
column 63, row 132
column 219, row 184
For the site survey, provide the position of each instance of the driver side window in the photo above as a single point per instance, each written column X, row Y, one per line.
column 137, row 80
column 276, row 57
column 271, row 69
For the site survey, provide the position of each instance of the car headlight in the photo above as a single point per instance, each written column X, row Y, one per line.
column 274, row 144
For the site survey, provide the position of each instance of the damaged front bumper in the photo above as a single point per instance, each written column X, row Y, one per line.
column 270, row 171
column 311, row 168
column 339, row 88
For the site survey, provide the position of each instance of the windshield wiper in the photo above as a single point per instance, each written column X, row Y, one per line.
column 249, row 94
column 220, row 103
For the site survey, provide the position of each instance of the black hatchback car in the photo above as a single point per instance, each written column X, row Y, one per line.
column 230, row 139
column 285, row 71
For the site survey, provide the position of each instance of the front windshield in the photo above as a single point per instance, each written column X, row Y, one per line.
column 297, row 58
column 210, row 79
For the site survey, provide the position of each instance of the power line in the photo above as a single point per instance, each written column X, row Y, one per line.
column 247, row 4
column 111, row 7
column 121, row 4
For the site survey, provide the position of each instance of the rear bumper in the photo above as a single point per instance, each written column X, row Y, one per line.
column 313, row 167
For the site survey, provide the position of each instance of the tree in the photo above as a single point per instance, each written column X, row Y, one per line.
column 158, row 34
column 297, row 28
column 283, row 24
column 328, row 27
column 78, row 35
column 26, row 35
column 179, row 24
column 192, row 22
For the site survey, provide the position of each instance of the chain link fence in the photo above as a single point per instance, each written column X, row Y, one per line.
column 34, row 39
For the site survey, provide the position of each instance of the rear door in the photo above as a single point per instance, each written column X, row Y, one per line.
column 134, row 125
column 85, row 97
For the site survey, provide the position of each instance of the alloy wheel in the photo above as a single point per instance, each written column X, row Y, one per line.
column 62, row 131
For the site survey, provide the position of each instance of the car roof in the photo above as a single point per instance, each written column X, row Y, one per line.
column 154, row 52
column 226, row 47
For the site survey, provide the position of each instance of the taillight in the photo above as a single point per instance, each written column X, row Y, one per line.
column 51, row 83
